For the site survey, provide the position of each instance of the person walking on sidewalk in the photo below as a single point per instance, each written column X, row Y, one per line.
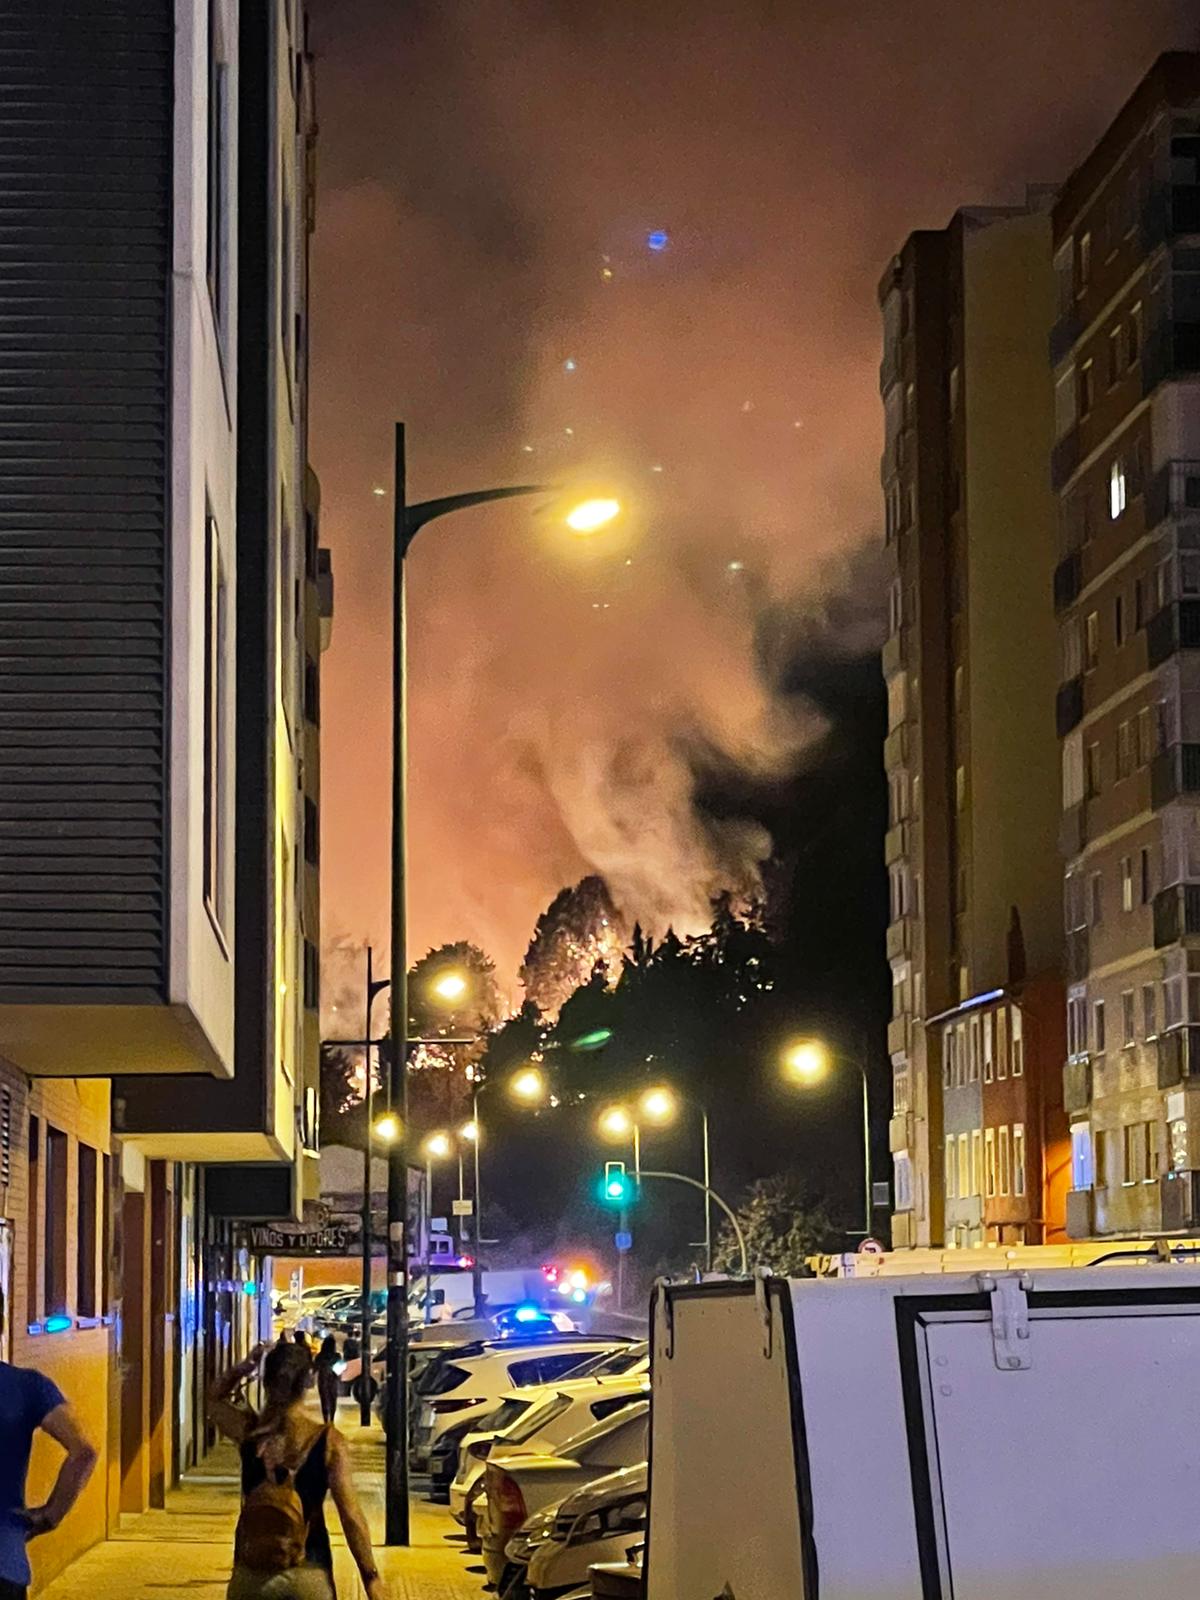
column 289, row 1464
column 29, row 1401
column 328, row 1382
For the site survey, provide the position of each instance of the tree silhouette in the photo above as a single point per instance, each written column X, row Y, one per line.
column 580, row 927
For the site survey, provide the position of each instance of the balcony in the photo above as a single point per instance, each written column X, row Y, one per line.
column 1180, row 1196
column 1081, row 1214
column 1177, row 1051
column 895, row 748
column 1172, row 350
column 895, row 843
column 1068, row 580
column 892, row 656
column 900, row 1132
column 1172, row 211
column 899, row 938
column 1068, row 706
column 1176, row 627
column 1173, row 773
column 1063, row 335
column 1077, row 1085
column 1079, row 954
column 1072, row 831
column 1176, row 913
column 897, row 1036
column 1173, row 491
column 1064, row 458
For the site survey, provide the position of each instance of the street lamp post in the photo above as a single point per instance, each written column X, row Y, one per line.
column 375, row 986
column 809, row 1060
column 407, row 522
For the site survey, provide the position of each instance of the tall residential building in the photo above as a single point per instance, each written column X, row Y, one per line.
column 159, row 595
column 1126, row 467
column 975, row 936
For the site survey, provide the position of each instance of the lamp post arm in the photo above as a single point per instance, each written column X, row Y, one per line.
column 415, row 517
column 694, row 1183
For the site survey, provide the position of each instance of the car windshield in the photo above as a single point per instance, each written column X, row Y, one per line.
column 609, row 1364
column 505, row 1414
column 536, row 1419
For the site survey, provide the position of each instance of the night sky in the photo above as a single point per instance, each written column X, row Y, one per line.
column 489, row 175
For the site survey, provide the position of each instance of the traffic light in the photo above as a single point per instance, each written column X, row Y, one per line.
column 617, row 1188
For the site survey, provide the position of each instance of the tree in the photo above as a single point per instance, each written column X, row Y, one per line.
column 343, row 1119
column 474, row 1012
column 580, row 927
column 783, row 1224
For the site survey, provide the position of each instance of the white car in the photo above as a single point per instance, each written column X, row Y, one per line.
column 552, row 1416
column 290, row 1305
column 602, row 1523
column 517, row 1486
column 469, row 1389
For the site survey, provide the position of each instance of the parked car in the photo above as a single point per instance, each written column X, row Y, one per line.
column 601, row 1523
column 458, row 1393
column 288, row 1306
column 517, row 1486
column 556, row 1413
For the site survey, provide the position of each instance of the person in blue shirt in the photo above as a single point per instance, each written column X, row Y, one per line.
column 29, row 1401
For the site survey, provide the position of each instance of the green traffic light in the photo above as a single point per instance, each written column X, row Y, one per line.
column 616, row 1189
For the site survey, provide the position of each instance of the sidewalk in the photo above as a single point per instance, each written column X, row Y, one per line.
column 187, row 1549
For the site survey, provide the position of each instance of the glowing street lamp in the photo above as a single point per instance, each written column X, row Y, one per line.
column 591, row 515
column 387, row 1128
column 615, row 1123
column 437, row 1147
column 806, row 1062
column 449, row 986
column 658, row 1105
column 469, row 1131
column 528, row 1085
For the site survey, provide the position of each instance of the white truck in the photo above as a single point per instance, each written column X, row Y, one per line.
column 985, row 1436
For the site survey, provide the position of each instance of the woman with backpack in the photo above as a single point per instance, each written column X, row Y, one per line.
column 289, row 1463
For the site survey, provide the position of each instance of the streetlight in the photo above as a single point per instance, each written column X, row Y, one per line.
column 387, row 1128
column 806, row 1062
column 436, row 1148
column 450, row 986
column 528, row 1085
column 407, row 522
column 659, row 1106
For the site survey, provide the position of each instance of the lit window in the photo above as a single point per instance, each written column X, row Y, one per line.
column 1116, row 489
column 1081, row 1156
column 902, row 1177
column 1177, row 1138
column 1018, row 1042
column 964, row 1166
column 1126, row 883
column 1005, row 1162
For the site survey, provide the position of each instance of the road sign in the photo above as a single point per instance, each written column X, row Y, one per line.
column 871, row 1247
column 463, row 1208
column 623, row 1241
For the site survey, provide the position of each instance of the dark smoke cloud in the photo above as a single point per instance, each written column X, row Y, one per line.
column 482, row 164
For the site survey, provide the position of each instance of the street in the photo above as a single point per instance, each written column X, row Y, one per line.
column 188, row 1547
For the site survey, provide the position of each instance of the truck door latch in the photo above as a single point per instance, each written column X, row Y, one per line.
column 1010, row 1318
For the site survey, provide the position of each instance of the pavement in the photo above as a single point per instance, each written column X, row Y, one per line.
column 187, row 1549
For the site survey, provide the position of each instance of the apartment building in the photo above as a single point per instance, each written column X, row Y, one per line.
column 161, row 589
column 1125, row 350
column 975, row 936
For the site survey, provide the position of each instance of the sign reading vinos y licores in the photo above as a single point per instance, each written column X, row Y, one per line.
column 333, row 1238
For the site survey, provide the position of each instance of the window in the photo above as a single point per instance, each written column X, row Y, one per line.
column 1077, row 1024
column 1083, row 263
column 1140, row 1155
column 1018, row 1159
column 312, row 692
column 1005, row 1162
column 1098, row 1026
column 1002, row 1042
column 1172, row 1002
column 964, row 1166
column 1149, row 1012
column 987, row 1047
column 1116, row 489
column 1096, row 898
column 1119, row 619
column 1091, row 772
column 1124, row 749
column 1145, row 877
column 312, row 976
column 1091, row 640
column 1145, row 737
column 1189, row 572
column 1018, row 1042
column 1081, row 1156
column 902, row 1178
column 1177, row 1144
column 1128, row 1021
column 977, row 1161
column 54, row 1234
column 1126, row 883
column 948, row 1060
column 975, row 1049
column 960, row 1052
column 1087, row 388
column 216, row 718
column 312, row 833
column 1116, row 353
column 1100, row 1164
column 217, row 241
column 951, row 1166
column 1133, row 335
column 989, row 1153
column 85, row 1288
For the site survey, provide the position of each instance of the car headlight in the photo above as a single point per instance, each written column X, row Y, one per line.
column 624, row 1516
